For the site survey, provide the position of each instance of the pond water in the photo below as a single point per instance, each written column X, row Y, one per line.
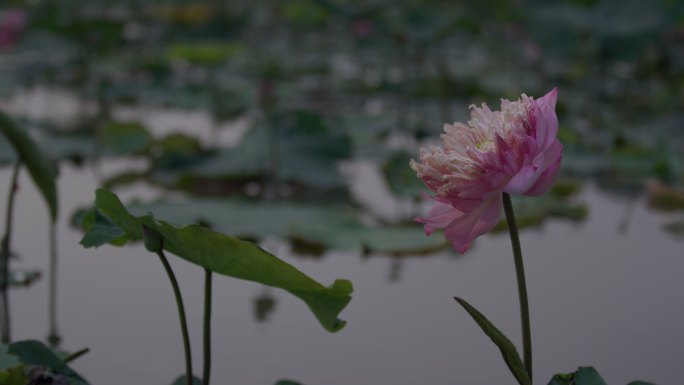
column 308, row 88
column 599, row 296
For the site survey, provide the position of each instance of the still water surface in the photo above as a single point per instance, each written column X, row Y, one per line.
column 598, row 297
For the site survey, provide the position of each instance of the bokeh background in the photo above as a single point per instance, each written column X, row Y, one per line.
column 291, row 123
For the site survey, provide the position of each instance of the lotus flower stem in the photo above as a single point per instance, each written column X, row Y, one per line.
column 181, row 315
column 206, row 370
column 5, row 256
column 522, row 285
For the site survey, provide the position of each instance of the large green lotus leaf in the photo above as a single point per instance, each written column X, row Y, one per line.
column 245, row 219
column 300, row 146
column 203, row 53
column 41, row 168
column 402, row 240
column 533, row 211
column 368, row 132
column 7, row 360
column 68, row 146
column 233, row 257
column 35, row 354
column 158, row 94
column 120, row 138
column 402, row 180
column 351, row 234
column 329, row 227
column 182, row 380
column 306, row 13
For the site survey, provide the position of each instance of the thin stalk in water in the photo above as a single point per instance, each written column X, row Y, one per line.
column 522, row 285
column 73, row 356
column 5, row 256
column 181, row 315
column 207, row 327
column 53, row 334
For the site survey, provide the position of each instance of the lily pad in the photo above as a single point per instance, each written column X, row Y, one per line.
column 204, row 53
column 400, row 177
column 122, row 138
column 182, row 380
column 327, row 227
column 533, row 211
column 294, row 147
column 44, row 361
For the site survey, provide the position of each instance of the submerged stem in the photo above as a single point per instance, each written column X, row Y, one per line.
column 207, row 327
column 5, row 256
column 522, row 285
column 181, row 315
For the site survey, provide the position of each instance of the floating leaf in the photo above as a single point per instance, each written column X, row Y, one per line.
column 566, row 188
column 664, row 197
column 341, row 233
column 508, row 350
column 7, row 360
column 39, row 166
column 327, row 227
column 182, row 380
column 203, row 53
column 242, row 218
column 533, row 212
column 297, row 145
column 35, row 353
column 230, row 256
column 121, row 138
column 70, row 146
column 400, row 177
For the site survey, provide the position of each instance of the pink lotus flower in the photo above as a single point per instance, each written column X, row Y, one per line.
column 514, row 150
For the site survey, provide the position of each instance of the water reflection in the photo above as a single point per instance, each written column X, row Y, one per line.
column 264, row 305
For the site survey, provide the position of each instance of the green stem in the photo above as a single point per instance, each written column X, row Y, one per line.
column 73, row 356
column 522, row 286
column 53, row 334
column 5, row 256
column 181, row 315
column 207, row 327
